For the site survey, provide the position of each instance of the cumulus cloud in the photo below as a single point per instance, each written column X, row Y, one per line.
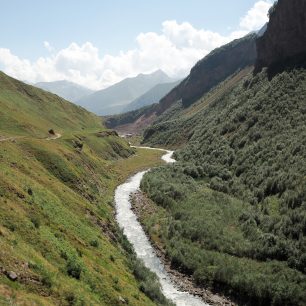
column 256, row 17
column 174, row 50
column 48, row 46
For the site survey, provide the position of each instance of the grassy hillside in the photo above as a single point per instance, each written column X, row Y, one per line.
column 59, row 243
column 175, row 126
column 27, row 110
column 235, row 203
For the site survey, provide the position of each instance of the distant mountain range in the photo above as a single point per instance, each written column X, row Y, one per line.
column 65, row 89
column 115, row 98
column 151, row 96
column 129, row 94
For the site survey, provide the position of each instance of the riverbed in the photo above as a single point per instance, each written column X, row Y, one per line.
column 134, row 232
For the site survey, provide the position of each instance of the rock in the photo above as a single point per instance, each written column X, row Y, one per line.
column 285, row 37
column 122, row 300
column 78, row 145
column 12, row 275
column 51, row 131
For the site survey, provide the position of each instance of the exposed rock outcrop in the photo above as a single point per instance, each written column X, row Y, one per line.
column 285, row 38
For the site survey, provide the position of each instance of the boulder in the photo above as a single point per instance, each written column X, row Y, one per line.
column 12, row 275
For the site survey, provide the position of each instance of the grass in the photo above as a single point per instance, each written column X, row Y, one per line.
column 57, row 226
column 27, row 110
column 52, row 198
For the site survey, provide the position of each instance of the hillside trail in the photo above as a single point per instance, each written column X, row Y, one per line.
column 13, row 138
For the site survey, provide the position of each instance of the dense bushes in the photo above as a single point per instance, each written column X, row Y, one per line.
column 249, row 144
column 224, row 242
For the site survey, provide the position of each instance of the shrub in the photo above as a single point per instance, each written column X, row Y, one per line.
column 74, row 267
column 94, row 243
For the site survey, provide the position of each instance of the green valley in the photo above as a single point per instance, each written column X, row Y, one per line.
column 186, row 187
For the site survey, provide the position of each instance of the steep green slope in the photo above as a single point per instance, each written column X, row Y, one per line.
column 232, row 211
column 27, row 110
column 235, row 203
column 59, row 243
column 176, row 125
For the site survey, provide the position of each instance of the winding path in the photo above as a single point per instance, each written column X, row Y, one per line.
column 12, row 138
column 136, row 235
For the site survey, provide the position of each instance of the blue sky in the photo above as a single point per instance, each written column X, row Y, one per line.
column 49, row 30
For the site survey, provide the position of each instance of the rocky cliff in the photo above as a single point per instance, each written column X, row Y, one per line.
column 285, row 38
column 211, row 70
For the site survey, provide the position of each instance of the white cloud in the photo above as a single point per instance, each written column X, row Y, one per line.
column 48, row 46
column 16, row 67
column 175, row 50
column 256, row 17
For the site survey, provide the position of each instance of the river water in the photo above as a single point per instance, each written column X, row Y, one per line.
column 127, row 220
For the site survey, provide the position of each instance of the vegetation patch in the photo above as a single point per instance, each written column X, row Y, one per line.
column 236, row 198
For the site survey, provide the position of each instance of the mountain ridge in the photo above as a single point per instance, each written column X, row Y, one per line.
column 117, row 96
column 68, row 90
column 151, row 96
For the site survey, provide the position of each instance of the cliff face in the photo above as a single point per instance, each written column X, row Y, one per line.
column 211, row 70
column 285, row 37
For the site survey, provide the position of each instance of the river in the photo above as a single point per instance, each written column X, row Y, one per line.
column 133, row 230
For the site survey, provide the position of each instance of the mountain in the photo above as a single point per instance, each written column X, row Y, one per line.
column 231, row 212
column 152, row 96
column 133, row 122
column 214, row 68
column 65, row 89
column 285, row 37
column 114, row 99
column 60, row 243
column 211, row 70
